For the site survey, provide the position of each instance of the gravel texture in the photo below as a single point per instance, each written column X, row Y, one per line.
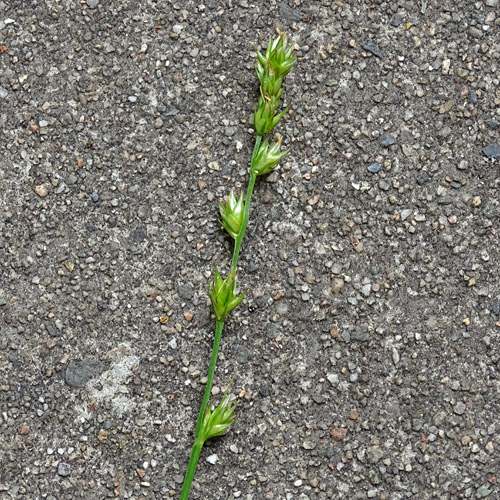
column 366, row 354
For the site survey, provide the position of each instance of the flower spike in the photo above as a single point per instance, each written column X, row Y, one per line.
column 216, row 421
column 232, row 213
column 267, row 157
column 222, row 294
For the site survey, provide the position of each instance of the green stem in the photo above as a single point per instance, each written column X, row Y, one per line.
column 198, row 445
column 211, row 370
column 246, row 212
column 193, row 461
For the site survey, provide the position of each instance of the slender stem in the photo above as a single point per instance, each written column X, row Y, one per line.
column 191, row 469
column 246, row 212
column 198, row 444
column 211, row 370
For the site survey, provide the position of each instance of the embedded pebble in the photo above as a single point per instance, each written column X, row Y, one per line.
column 41, row 190
column 64, row 469
column 492, row 151
column 374, row 168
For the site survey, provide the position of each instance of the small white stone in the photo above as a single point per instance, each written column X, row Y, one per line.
column 298, row 482
column 395, row 356
column 212, row 459
column 405, row 214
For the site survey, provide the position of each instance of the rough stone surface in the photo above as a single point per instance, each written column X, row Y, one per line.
column 366, row 352
column 78, row 373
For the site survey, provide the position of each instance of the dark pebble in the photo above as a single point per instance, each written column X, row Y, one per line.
column 78, row 373
column 260, row 302
column 52, row 331
column 186, row 292
column 417, row 424
column 360, row 336
column 492, row 151
column 289, row 14
column 272, row 332
column 252, row 267
column 95, row 197
column 423, row 178
column 319, row 399
column 227, row 170
column 387, row 141
column 395, row 22
column 264, row 390
column 374, row 168
column 161, row 108
column 472, row 97
column 495, row 309
column 372, row 47
column 139, row 235
column 107, row 425
column 493, row 124
column 242, row 353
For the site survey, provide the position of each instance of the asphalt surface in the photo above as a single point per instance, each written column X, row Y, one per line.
column 366, row 353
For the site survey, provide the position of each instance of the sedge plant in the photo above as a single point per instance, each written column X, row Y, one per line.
column 271, row 68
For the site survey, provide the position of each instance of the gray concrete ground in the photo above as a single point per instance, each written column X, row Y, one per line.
column 366, row 355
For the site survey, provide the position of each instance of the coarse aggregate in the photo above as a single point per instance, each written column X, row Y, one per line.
column 366, row 352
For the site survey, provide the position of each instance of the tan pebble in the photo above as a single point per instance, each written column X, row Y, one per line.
column 338, row 434
column 69, row 266
column 64, row 359
column 476, row 201
column 353, row 415
column 489, row 447
column 140, row 472
column 466, row 321
column 102, row 436
column 41, row 190
column 188, row 316
column 337, row 285
column 25, row 429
